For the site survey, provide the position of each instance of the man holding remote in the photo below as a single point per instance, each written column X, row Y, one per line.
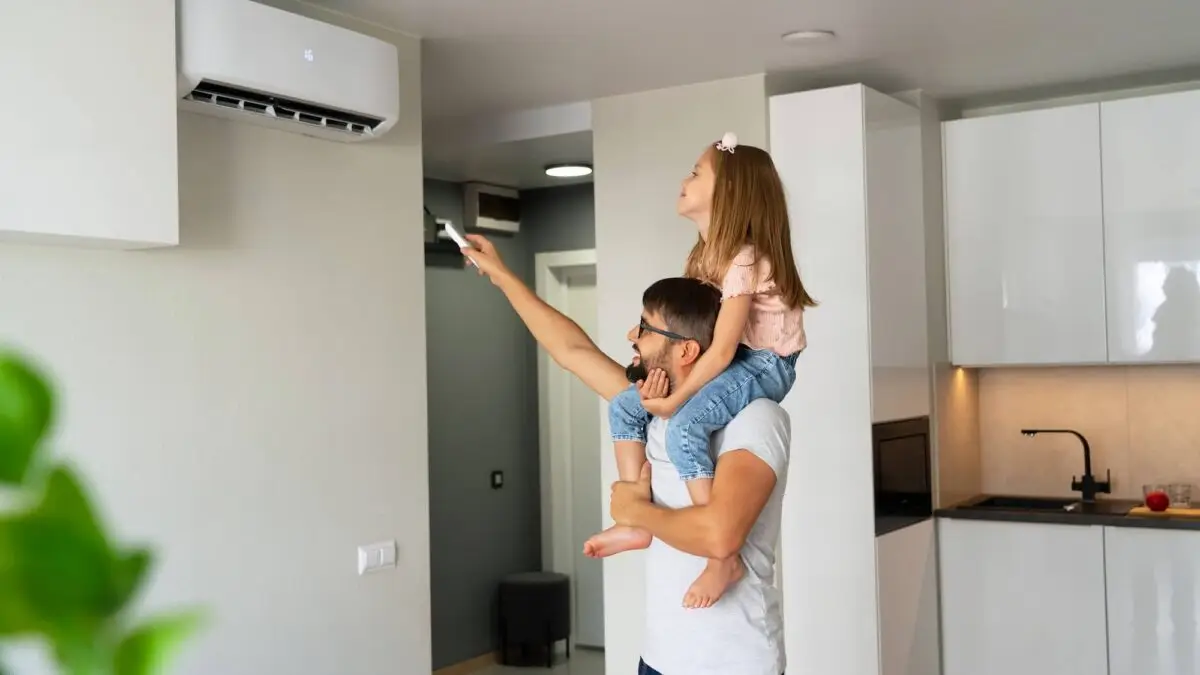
column 742, row 634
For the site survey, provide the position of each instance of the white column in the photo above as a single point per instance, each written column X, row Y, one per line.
column 850, row 159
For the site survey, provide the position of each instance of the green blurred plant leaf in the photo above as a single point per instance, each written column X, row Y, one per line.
column 16, row 615
column 146, row 650
column 26, row 411
column 60, row 577
column 128, row 572
column 62, row 574
column 65, row 501
column 61, row 559
column 78, row 650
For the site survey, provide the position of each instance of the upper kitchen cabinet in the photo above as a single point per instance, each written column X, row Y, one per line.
column 1025, row 238
column 1152, row 227
column 88, row 129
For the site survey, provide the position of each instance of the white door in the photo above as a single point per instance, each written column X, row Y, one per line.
column 586, row 502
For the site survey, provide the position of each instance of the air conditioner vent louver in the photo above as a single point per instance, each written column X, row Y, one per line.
column 250, row 101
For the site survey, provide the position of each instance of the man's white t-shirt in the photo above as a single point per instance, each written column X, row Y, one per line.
column 742, row 634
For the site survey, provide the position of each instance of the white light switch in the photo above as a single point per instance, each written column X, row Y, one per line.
column 377, row 556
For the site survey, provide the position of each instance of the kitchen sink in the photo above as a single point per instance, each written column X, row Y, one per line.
column 1025, row 504
column 1050, row 505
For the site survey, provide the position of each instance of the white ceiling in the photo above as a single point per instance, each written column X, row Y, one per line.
column 483, row 58
column 488, row 56
column 517, row 164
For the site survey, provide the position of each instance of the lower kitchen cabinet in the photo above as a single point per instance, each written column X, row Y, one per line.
column 1023, row 598
column 1153, row 601
column 908, row 601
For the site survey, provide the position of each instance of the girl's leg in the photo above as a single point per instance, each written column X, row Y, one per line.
column 627, row 420
column 700, row 490
column 631, row 455
column 688, row 441
column 718, row 574
column 752, row 375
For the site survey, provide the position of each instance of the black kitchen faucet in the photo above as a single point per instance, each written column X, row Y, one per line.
column 1087, row 484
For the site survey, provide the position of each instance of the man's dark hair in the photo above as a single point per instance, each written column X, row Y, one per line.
column 687, row 306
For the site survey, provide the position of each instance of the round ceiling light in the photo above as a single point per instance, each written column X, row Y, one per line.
column 800, row 36
column 568, row 170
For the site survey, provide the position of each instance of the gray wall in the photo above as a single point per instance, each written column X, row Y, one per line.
column 482, row 375
column 559, row 218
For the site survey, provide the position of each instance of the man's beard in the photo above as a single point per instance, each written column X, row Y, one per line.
column 639, row 370
column 636, row 372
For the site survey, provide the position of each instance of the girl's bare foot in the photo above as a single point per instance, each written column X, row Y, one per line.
column 717, row 577
column 616, row 539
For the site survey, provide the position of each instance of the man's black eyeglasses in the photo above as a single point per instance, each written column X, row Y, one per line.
column 643, row 327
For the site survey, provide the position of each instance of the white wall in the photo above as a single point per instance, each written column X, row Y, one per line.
column 900, row 378
column 956, row 444
column 254, row 401
column 644, row 146
column 96, row 112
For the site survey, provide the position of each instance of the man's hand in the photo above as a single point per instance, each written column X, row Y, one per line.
column 629, row 497
column 486, row 258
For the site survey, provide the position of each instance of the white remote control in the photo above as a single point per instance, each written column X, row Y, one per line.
column 460, row 240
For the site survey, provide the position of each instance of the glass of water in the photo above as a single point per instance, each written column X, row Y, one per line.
column 1180, row 494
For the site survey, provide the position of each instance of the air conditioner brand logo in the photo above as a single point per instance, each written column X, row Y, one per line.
column 308, row 55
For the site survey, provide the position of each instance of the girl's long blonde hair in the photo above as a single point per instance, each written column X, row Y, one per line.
column 748, row 208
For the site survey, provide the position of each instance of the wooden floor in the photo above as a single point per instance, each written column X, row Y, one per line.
column 582, row 662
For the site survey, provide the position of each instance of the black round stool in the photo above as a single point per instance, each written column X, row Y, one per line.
column 535, row 612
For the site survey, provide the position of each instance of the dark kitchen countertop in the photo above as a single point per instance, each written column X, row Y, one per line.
column 888, row 524
column 1113, row 512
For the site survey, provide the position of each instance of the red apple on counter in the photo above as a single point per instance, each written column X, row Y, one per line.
column 1157, row 501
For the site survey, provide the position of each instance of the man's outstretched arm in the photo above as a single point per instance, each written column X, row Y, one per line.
column 741, row 487
column 562, row 338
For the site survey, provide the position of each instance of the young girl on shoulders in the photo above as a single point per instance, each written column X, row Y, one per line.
column 736, row 199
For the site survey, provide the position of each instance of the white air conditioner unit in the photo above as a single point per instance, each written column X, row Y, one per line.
column 491, row 209
column 246, row 61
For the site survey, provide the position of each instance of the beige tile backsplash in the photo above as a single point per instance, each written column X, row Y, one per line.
column 958, row 454
column 1143, row 424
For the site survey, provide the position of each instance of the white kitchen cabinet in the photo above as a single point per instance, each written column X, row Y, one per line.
column 1021, row 598
column 1025, row 238
column 1152, row 226
column 908, row 601
column 88, row 128
column 1153, row 601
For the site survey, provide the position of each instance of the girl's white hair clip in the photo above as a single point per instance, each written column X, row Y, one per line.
column 728, row 142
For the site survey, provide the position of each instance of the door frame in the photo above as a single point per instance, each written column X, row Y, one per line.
column 552, row 282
